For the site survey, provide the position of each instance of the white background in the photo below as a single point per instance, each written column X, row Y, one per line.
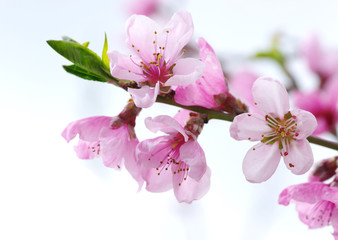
column 47, row 193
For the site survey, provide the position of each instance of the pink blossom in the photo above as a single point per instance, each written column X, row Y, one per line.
column 113, row 139
column 156, row 63
column 144, row 7
column 316, row 203
column 175, row 160
column 281, row 132
column 323, row 104
column 320, row 61
column 201, row 93
column 241, row 84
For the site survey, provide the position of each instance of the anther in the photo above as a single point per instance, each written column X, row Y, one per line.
column 286, row 153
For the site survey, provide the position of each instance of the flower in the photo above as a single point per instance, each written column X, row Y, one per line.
column 175, row 160
column 144, row 7
column 113, row 139
column 324, row 63
column 316, row 203
column 323, row 104
column 281, row 132
column 210, row 90
column 201, row 93
column 156, row 63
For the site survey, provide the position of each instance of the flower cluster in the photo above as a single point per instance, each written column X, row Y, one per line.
column 156, row 70
column 316, row 201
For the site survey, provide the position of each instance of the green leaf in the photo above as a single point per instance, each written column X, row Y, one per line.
column 68, row 39
column 82, row 57
column 105, row 58
column 82, row 73
column 86, row 44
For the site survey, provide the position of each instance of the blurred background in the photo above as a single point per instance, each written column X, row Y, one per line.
column 48, row 193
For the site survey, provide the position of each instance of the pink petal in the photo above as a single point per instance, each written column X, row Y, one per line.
column 151, row 152
column 213, row 73
column 87, row 128
column 122, row 67
column 186, row 71
column 145, row 96
column 312, row 52
column 155, row 182
column 143, row 7
column 87, row 150
column 182, row 116
column 165, row 124
column 241, row 85
column 141, row 34
column 195, row 95
column 201, row 92
column 307, row 192
column 271, row 97
column 308, row 101
column 114, row 145
column 131, row 164
column 190, row 189
column 318, row 215
column 193, row 155
column 249, row 126
column 180, row 29
column 259, row 164
column 330, row 194
column 334, row 222
column 300, row 158
column 306, row 123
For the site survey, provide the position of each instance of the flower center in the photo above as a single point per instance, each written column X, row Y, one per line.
column 157, row 69
column 172, row 160
column 283, row 131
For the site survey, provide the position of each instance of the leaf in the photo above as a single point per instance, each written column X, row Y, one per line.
column 82, row 73
column 68, row 39
column 86, row 44
column 105, row 57
column 82, row 57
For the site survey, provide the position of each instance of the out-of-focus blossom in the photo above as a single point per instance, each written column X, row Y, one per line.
column 240, row 86
column 175, row 160
column 316, row 203
column 143, row 7
column 322, row 103
column 112, row 138
column 210, row 90
column 281, row 132
column 323, row 62
column 156, row 64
